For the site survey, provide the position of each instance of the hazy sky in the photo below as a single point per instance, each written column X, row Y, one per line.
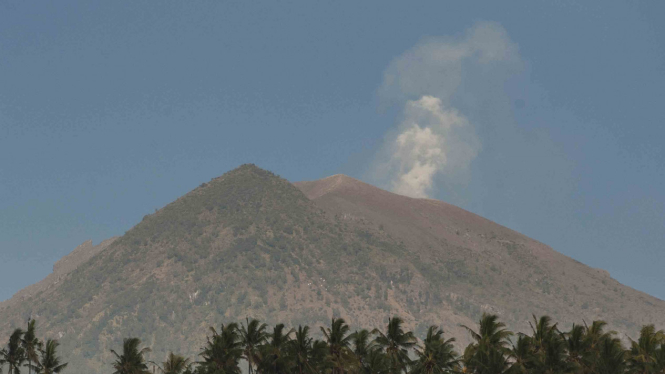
column 544, row 116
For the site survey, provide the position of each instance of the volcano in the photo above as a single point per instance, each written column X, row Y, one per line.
column 250, row 243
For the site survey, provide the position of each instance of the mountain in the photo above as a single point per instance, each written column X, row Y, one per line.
column 477, row 265
column 252, row 244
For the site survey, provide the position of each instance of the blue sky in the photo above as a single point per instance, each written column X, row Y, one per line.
column 546, row 117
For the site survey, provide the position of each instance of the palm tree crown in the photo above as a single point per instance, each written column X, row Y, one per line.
column 489, row 354
column 436, row 355
column 50, row 362
column 31, row 344
column 132, row 360
column 396, row 343
column 644, row 351
column 338, row 339
column 223, row 351
column 252, row 336
column 301, row 350
column 14, row 354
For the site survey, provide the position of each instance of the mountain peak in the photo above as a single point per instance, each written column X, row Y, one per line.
column 246, row 170
column 334, row 183
column 235, row 199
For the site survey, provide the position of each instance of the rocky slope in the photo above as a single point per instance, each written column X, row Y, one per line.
column 478, row 265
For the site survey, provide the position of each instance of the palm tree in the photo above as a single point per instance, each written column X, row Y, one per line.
column 50, row 362
column 174, row 364
column 590, row 348
column 362, row 345
column 643, row 352
column 577, row 345
column 491, row 332
column 484, row 359
column 521, row 354
column 131, row 361
column 542, row 330
column 595, row 333
column 611, row 357
column 338, row 339
column 320, row 357
column 376, row 362
column 31, row 344
column 396, row 344
column 549, row 347
column 274, row 357
column 490, row 353
column 436, row 355
column 252, row 336
column 223, row 351
column 14, row 354
column 301, row 350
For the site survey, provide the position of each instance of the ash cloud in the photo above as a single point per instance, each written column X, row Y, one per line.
column 435, row 139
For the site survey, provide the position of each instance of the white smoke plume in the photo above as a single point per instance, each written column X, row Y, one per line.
column 427, row 144
column 436, row 139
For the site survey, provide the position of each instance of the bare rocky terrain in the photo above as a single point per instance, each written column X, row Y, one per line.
column 506, row 272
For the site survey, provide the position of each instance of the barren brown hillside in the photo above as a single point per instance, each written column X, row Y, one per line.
column 516, row 275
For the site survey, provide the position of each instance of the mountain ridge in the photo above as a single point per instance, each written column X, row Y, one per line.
column 340, row 184
column 340, row 193
column 78, row 256
column 317, row 189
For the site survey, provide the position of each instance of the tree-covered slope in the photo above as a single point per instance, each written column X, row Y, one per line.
column 247, row 243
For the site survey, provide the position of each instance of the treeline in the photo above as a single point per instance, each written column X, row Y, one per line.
column 584, row 349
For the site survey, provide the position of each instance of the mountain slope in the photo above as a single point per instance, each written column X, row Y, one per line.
column 483, row 266
column 247, row 243
column 252, row 244
column 61, row 268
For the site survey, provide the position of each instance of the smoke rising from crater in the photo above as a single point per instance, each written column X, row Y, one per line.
column 435, row 139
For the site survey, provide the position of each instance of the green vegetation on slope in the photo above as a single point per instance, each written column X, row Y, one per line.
column 247, row 242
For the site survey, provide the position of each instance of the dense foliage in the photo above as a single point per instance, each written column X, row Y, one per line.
column 25, row 350
column 584, row 349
